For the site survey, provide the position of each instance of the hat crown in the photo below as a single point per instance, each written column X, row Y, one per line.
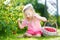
column 28, row 5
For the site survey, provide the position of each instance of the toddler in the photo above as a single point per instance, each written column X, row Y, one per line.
column 32, row 20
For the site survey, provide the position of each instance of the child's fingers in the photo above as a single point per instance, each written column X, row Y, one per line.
column 18, row 20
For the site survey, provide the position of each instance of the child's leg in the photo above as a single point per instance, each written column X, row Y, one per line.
column 24, row 35
column 38, row 34
column 28, row 35
column 20, row 36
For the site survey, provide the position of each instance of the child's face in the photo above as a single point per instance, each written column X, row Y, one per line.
column 29, row 13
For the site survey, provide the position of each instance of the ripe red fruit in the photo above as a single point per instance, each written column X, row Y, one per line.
column 50, row 29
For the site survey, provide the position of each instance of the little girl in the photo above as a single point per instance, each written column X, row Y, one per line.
column 32, row 20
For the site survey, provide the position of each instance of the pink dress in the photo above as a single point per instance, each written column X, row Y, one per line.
column 34, row 27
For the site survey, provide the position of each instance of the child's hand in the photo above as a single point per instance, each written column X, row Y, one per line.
column 19, row 24
column 18, row 20
column 45, row 20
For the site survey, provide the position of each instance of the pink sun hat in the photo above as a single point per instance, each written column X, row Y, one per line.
column 27, row 6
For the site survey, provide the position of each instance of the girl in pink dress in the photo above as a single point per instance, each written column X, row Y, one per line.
column 32, row 20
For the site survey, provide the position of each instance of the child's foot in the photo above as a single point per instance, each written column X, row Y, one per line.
column 21, row 36
column 25, row 35
column 28, row 35
column 38, row 35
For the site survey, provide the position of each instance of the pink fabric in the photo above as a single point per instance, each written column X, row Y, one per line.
column 33, row 26
column 34, row 33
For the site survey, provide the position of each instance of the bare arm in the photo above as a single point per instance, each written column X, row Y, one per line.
column 41, row 18
column 19, row 24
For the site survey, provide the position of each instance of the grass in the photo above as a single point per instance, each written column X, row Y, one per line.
column 14, row 37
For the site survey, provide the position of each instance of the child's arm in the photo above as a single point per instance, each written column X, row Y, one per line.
column 41, row 18
column 21, row 26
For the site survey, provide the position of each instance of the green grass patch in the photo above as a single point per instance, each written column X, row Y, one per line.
column 14, row 37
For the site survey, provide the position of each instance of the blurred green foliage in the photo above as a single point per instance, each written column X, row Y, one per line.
column 9, row 16
column 10, row 13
